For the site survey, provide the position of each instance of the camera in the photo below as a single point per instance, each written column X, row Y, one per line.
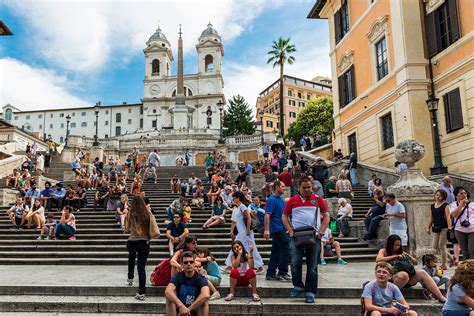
column 465, row 223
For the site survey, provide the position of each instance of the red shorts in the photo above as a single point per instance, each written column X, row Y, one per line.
column 243, row 280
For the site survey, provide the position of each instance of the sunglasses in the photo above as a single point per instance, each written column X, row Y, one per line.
column 188, row 262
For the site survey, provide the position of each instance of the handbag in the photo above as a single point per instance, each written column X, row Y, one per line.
column 154, row 230
column 451, row 236
column 346, row 194
column 303, row 237
column 404, row 265
column 254, row 221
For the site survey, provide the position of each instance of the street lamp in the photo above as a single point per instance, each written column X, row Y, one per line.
column 220, row 106
column 96, row 136
column 68, row 120
column 261, row 126
column 209, row 115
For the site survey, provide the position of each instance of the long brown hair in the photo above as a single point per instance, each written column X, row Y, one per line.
column 139, row 216
column 463, row 275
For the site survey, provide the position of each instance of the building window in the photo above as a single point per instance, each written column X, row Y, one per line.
column 155, row 67
column 382, row 58
column 61, row 139
column 141, row 110
column 61, row 114
column 40, row 116
column 51, row 126
column 73, row 113
column 209, row 63
column 352, row 141
column 106, row 112
column 51, row 115
column 153, row 123
column 16, row 118
column 300, row 94
column 308, row 96
column 106, row 122
column 387, row 131
column 341, row 21
column 83, row 114
column 291, row 102
column 453, row 111
column 292, row 114
column 106, row 136
column 118, row 117
column 73, row 125
column 62, row 125
column 28, row 117
column 118, row 131
column 290, row 93
column 442, row 27
column 141, row 123
column 129, row 110
column 8, row 115
column 270, row 124
column 301, row 104
column 346, row 87
column 41, row 126
column 84, row 124
column 129, row 121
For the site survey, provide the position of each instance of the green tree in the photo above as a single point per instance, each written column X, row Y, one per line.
column 315, row 118
column 279, row 55
column 238, row 118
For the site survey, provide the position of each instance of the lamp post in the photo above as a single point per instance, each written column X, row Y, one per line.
column 261, row 126
column 68, row 120
column 220, row 106
column 96, row 136
column 209, row 115
column 432, row 104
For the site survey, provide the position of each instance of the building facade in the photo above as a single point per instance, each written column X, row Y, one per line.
column 296, row 92
column 202, row 90
column 380, row 54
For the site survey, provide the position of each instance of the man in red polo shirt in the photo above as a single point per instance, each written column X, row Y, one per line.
column 287, row 179
column 305, row 210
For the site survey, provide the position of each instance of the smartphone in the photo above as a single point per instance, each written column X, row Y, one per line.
column 400, row 307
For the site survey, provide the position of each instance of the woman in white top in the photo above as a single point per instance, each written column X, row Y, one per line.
column 241, row 219
column 344, row 215
column 36, row 214
column 67, row 224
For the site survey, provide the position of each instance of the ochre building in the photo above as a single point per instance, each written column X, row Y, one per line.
column 380, row 54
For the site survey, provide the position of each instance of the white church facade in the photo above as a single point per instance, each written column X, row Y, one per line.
column 161, row 107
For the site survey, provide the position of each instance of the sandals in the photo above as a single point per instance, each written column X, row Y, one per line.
column 229, row 297
column 255, row 297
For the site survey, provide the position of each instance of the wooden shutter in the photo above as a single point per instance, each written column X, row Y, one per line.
column 352, row 78
column 454, row 20
column 337, row 26
column 453, row 111
column 340, row 83
column 430, row 30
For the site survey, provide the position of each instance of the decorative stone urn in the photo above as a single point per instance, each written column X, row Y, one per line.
column 416, row 193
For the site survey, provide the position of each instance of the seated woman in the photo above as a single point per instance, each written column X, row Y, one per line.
column 214, row 192
column 81, row 201
column 70, row 198
column 36, row 215
column 67, row 224
column 394, row 254
column 344, row 187
column 242, row 273
column 136, row 187
column 217, row 215
column 189, row 244
column 382, row 297
column 176, row 231
column 378, row 185
column 210, row 270
column 198, row 196
column 12, row 180
column 344, row 216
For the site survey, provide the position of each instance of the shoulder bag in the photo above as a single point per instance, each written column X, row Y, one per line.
column 154, row 230
column 450, row 233
column 304, row 237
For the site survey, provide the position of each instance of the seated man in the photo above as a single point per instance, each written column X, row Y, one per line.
column 199, row 194
column 327, row 245
column 32, row 194
column 46, row 196
column 331, row 190
column 102, row 195
column 374, row 216
column 17, row 213
column 150, row 173
column 188, row 291
column 175, row 207
column 183, row 186
column 176, row 231
column 175, row 184
column 192, row 182
column 226, row 196
column 57, row 196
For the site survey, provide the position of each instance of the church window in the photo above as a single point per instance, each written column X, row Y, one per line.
column 209, row 62
column 8, row 115
column 187, row 92
column 153, row 123
column 155, row 67
column 190, row 93
column 118, row 117
column 118, row 130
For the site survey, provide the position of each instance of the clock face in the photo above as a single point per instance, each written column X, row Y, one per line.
column 154, row 89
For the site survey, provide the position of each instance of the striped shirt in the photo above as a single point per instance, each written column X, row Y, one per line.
column 307, row 212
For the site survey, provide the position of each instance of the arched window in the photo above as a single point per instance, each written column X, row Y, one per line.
column 118, row 117
column 187, row 92
column 8, row 115
column 209, row 62
column 155, row 67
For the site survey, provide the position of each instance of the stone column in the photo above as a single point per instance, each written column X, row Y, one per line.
column 416, row 193
column 68, row 155
column 96, row 152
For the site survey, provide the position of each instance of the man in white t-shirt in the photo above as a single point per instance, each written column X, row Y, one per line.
column 154, row 159
column 395, row 212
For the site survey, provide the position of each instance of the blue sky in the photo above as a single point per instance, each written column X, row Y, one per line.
column 73, row 53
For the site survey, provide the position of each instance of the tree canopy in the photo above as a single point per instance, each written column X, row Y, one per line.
column 315, row 118
column 238, row 118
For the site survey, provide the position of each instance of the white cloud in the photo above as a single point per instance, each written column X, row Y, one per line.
column 84, row 36
column 250, row 80
column 30, row 88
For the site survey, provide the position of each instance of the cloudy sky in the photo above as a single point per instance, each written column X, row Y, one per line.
column 74, row 53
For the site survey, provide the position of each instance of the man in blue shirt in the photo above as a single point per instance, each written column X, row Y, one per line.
column 32, row 194
column 448, row 187
column 58, row 196
column 46, row 196
column 274, row 228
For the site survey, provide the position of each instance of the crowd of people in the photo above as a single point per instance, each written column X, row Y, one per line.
column 294, row 216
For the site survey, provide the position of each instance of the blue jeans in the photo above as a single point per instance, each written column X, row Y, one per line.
column 64, row 229
column 312, row 256
column 372, row 225
column 280, row 254
column 354, row 176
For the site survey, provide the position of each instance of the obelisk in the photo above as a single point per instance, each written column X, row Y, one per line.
column 180, row 112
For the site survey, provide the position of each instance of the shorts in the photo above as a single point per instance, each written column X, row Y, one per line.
column 243, row 280
column 222, row 218
column 265, row 155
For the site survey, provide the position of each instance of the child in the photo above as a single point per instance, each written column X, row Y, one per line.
column 47, row 232
column 210, row 270
column 429, row 265
column 242, row 273
column 187, row 212
column 382, row 297
column 460, row 296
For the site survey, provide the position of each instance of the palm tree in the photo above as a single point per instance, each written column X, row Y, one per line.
column 280, row 54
